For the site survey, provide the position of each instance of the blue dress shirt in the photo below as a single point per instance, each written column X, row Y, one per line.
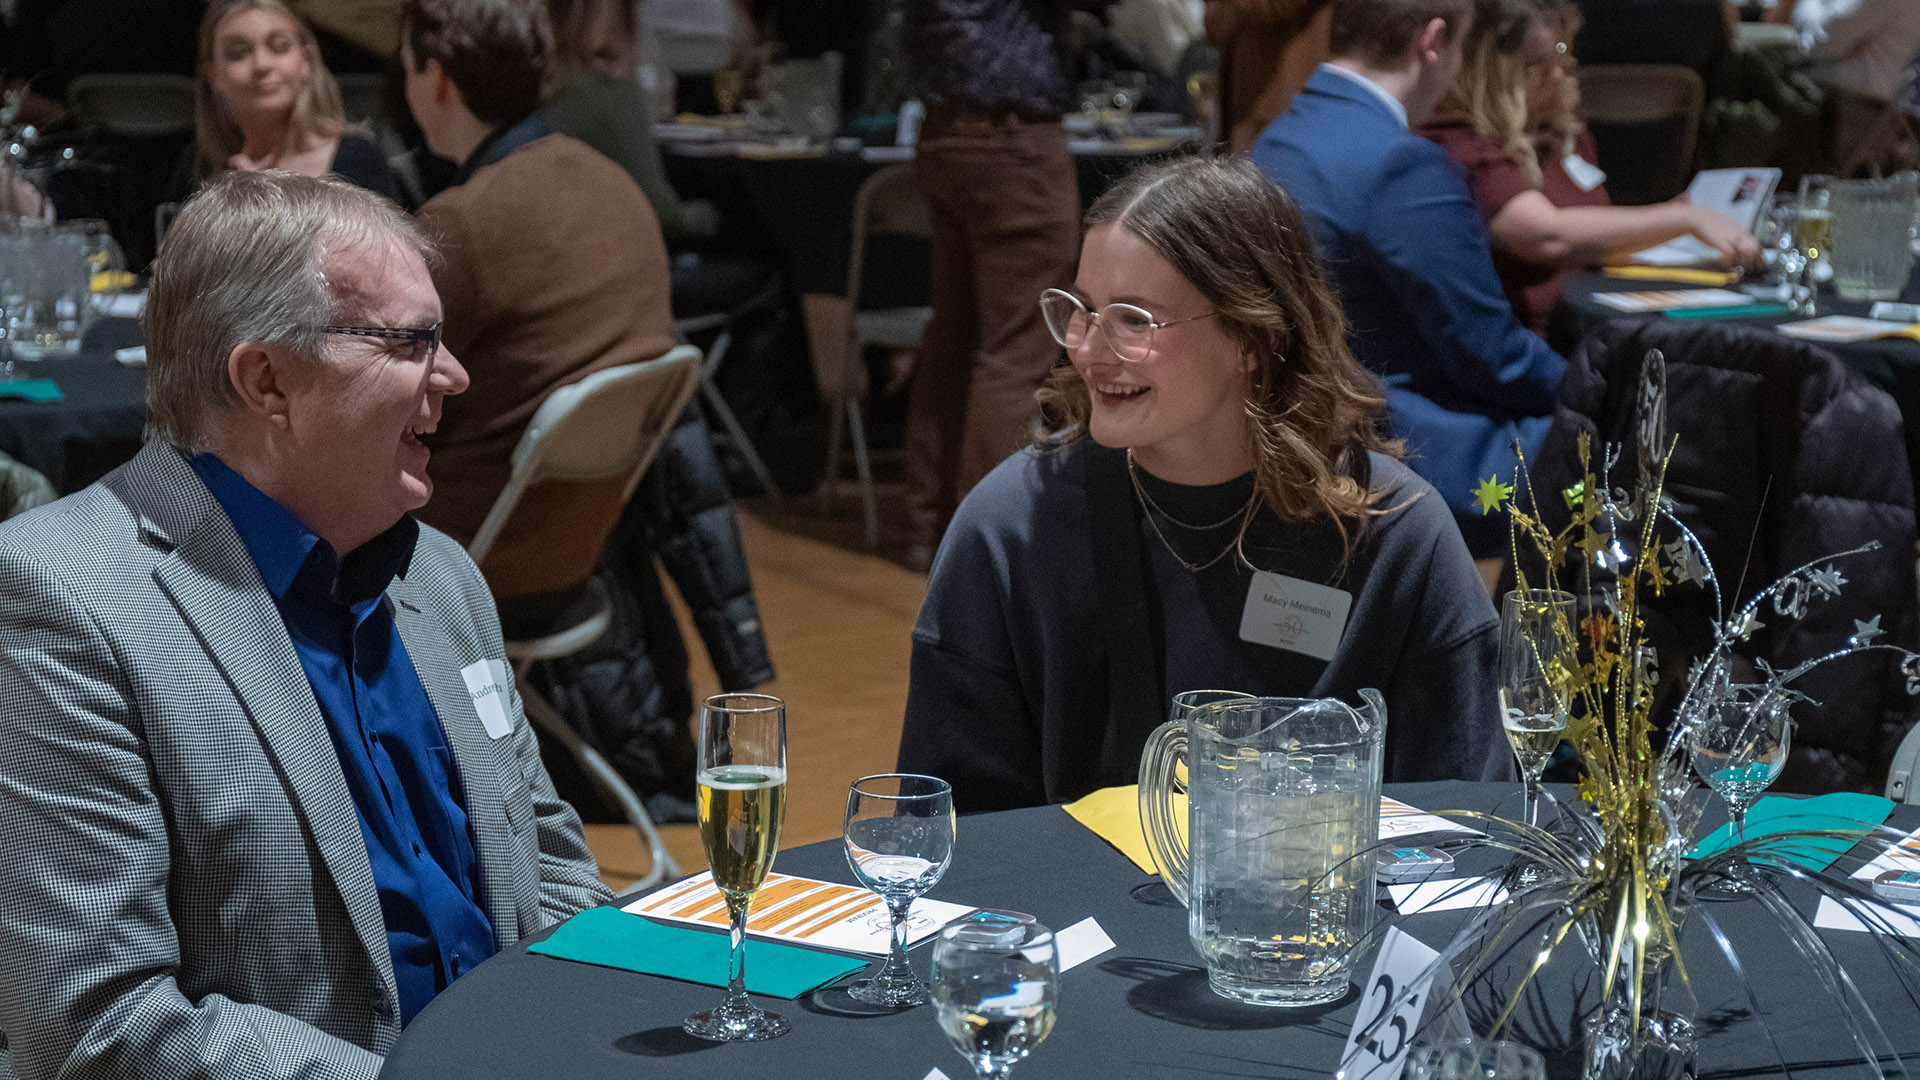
column 391, row 746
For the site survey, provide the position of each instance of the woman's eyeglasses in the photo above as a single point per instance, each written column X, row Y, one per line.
column 1128, row 329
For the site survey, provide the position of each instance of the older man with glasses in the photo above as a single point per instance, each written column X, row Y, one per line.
column 265, row 783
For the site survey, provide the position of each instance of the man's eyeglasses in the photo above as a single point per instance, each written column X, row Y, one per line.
column 425, row 337
column 1128, row 329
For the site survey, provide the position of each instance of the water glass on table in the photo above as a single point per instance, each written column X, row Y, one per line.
column 899, row 835
column 743, row 801
column 996, row 985
column 1813, row 237
column 1739, row 746
column 1475, row 1060
column 1538, row 656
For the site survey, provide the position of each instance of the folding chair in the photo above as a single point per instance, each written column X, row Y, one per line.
column 574, row 469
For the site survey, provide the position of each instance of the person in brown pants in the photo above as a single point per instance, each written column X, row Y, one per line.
column 992, row 162
column 1005, row 209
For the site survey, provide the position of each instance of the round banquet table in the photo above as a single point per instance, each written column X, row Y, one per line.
column 1142, row 1009
column 95, row 426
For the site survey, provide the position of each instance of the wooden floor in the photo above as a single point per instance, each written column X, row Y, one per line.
column 838, row 622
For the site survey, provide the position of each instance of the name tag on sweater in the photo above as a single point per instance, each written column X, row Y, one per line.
column 1298, row 616
column 487, row 684
column 1585, row 174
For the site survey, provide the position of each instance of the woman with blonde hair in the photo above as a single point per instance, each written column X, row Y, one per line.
column 1209, row 503
column 263, row 100
column 1512, row 123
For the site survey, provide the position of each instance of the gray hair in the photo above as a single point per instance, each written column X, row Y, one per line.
column 246, row 260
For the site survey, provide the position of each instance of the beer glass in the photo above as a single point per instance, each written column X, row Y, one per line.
column 743, row 800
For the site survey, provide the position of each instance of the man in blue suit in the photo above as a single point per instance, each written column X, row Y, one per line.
column 1401, row 238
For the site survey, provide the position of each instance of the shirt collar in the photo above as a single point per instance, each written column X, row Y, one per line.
column 286, row 551
column 1392, row 103
column 502, row 141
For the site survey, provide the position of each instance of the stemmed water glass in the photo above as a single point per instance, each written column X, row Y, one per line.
column 1738, row 747
column 743, row 801
column 996, row 984
column 1537, row 659
column 1476, row 1060
column 899, row 835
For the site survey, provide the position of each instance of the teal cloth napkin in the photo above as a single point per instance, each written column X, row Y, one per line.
column 30, row 389
column 1722, row 312
column 1847, row 811
column 612, row 938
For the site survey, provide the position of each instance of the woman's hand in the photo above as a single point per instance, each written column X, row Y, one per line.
column 1736, row 246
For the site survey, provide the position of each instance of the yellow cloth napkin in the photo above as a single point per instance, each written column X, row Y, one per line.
column 1114, row 816
column 1672, row 273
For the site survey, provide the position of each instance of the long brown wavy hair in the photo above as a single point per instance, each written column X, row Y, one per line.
column 1310, row 406
column 317, row 110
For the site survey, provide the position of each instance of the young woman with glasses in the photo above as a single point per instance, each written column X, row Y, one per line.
column 1209, row 503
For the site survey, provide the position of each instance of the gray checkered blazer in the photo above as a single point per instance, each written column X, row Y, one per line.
column 184, row 889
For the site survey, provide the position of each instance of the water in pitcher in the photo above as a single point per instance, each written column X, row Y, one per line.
column 1280, row 894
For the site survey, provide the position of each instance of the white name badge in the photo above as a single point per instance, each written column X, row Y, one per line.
column 1295, row 615
column 1585, row 174
column 487, row 685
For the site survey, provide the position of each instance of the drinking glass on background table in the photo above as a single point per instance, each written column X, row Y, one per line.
column 899, row 835
column 1813, row 237
column 1475, row 1060
column 1537, row 659
column 44, row 291
column 1739, row 747
column 743, row 800
column 996, row 984
column 1776, row 245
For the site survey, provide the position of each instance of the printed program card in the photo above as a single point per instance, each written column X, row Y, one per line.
column 1669, row 299
column 822, row 914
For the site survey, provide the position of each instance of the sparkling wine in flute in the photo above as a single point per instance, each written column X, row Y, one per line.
column 1534, row 739
column 997, row 1033
column 1814, row 233
column 741, row 810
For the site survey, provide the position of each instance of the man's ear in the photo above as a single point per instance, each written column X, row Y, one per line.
column 444, row 92
column 1433, row 37
column 258, row 372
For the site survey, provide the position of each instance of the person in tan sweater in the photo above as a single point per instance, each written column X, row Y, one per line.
column 552, row 264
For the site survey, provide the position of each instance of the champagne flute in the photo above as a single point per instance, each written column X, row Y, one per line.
column 996, row 984
column 743, row 800
column 899, row 835
column 1536, row 664
column 1813, row 235
column 1739, row 747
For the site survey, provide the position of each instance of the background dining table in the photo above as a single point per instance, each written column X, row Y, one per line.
column 95, row 426
column 1143, row 1009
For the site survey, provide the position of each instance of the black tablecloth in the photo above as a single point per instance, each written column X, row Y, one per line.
column 95, row 427
column 1142, row 1010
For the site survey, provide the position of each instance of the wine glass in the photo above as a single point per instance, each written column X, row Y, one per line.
column 743, row 800
column 1536, row 667
column 996, row 983
column 1738, row 746
column 899, row 835
column 1476, row 1060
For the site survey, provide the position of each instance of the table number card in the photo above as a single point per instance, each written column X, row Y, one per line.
column 1392, row 1000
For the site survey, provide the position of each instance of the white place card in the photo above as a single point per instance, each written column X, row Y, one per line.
column 1391, row 1002
column 1080, row 943
column 1902, row 919
column 935, row 1074
column 823, row 914
column 1446, row 894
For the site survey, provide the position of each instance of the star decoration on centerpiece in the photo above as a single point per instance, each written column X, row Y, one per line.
column 1490, row 494
column 1865, row 631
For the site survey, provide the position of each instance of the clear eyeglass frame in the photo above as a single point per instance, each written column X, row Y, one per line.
column 1128, row 329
